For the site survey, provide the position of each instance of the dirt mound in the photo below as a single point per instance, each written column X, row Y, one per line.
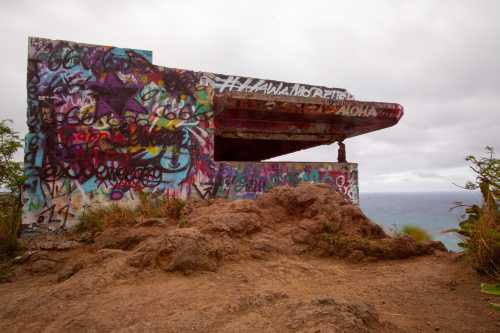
column 305, row 219
column 308, row 219
column 319, row 314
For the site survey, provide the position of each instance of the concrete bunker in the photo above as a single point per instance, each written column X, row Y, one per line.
column 105, row 124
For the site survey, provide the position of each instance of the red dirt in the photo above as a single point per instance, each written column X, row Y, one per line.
column 294, row 260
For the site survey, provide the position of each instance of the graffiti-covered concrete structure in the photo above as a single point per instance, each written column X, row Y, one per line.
column 106, row 124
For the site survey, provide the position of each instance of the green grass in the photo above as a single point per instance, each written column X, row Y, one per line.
column 417, row 233
column 492, row 289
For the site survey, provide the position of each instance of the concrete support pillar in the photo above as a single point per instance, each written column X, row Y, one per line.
column 341, row 156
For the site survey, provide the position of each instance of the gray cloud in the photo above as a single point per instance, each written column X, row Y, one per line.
column 437, row 58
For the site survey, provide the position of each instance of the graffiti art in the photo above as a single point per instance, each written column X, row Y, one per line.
column 106, row 124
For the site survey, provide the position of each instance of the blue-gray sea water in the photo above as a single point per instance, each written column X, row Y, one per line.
column 430, row 211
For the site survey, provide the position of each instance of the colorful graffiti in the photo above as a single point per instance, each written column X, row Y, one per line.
column 246, row 180
column 105, row 124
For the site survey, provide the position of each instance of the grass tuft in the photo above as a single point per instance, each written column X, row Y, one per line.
column 417, row 233
column 96, row 219
column 159, row 207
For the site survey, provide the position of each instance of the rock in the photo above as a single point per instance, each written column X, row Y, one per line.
column 186, row 250
column 57, row 245
column 263, row 247
column 259, row 300
column 436, row 246
column 325, row 301
column 23, row 258
column 43, row 266
column 326, row 314
column 86, row 237
column 67, row 273
column 120, row 238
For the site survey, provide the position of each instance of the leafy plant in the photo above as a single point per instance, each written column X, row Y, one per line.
column 480, row 228
column 10, row 224
column 11, row 172
column 11, row 179
column 492, row 289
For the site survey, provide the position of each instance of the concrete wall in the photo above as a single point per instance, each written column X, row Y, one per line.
column 246, row 180
column 105, row 123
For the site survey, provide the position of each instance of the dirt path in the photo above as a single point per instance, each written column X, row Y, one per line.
column 266, row 265
column 280, row 294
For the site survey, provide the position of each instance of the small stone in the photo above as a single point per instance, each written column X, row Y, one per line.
column 22, row 258
column 66, row 274
column 57, row 245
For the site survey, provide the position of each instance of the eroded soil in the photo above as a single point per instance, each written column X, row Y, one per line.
column 294, row 260
column 279, row 294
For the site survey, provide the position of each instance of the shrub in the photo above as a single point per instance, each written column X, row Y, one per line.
column 417, row 233
column 11, row 178
column 480, row 228
column 10, row 224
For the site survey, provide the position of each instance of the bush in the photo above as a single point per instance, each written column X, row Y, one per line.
column 10, row 224
column 417, row 233
column 12, row 179
column 480, row 228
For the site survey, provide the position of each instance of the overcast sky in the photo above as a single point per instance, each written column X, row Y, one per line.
column 439, row 59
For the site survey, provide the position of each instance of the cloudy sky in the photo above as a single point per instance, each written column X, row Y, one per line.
column 439, row 59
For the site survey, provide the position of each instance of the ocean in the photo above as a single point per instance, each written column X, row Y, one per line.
column 430, row 211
